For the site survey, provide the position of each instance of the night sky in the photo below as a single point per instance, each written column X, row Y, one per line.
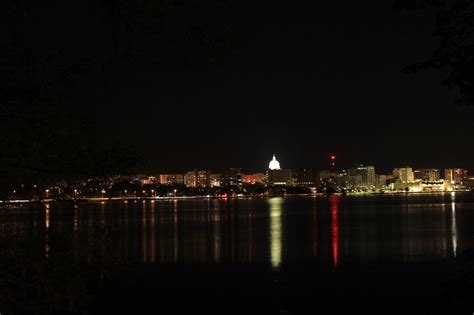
column 224, row 85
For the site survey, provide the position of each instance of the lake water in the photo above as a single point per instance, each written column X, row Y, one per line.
column 332, row 232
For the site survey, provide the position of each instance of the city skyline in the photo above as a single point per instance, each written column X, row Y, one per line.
column 326, row 165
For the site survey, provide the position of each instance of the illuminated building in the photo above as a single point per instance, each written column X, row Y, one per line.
column 427, row 174
column 203, row 179
column 404, row 174
column 407, row 186
column 327, row 174
column 276, row 175
column 344, row 180
column 274, row 164
column 367, row 174
column 469, row 182
column 215, row 180
column 197, row 178
column 146, row 180
column 455, row 176
column 380, row 180
column 252, row 179
column 190, row 179
column 171, row 179
column 438, row 185
column 306, row 177
column 232, row 177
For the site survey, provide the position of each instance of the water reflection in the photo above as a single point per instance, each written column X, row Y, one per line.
column 454, row 229
column 275, row 231
column 46, row 230
column 334, row 204
column 332, row 232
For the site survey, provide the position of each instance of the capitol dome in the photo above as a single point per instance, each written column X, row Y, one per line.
column 274, row 164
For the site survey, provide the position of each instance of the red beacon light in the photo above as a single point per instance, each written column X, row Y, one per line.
column 333, row 160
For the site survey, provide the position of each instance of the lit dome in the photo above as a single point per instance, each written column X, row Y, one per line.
column 274, row 164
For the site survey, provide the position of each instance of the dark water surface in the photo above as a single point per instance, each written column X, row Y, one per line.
column 264, row 250
column 333, row 231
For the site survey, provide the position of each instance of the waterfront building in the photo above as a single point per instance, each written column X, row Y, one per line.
column 257, row 178
column 144, row 179
column 428, row 186
column 215, row 180
column 366, row 173
column 427, row 174
column 404, row 174
column 190, row 179
column 171, row 179
column 203, row 178
column 276, row 175
column 345, row 181
column 409, row 186
column 380, row 181
column 469, row 182
column 197, row 178
column 455, row 176
column 279, row 177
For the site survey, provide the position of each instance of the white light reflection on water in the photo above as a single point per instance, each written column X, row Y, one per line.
column 454, row 229
column 275, row 231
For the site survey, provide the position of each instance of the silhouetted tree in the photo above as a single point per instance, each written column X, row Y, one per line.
column 455, row 28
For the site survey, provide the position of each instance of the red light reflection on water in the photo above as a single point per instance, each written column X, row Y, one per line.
column 334, row 202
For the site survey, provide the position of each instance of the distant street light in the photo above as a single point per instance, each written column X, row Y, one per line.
column 175, row 191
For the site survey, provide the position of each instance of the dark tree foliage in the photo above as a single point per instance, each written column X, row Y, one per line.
column 43, row 137
column 42, row 140
column 455, row 29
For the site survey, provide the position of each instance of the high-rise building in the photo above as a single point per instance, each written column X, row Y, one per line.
column 197, row 178
column 203, row 179
column 427, row 174
column 404, row 174
column 380, row 180
column 455, row 176
column 171, row 179
column 367, row 174
column 190, row 179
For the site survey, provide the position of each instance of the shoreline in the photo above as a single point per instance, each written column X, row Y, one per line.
column 159, row 198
